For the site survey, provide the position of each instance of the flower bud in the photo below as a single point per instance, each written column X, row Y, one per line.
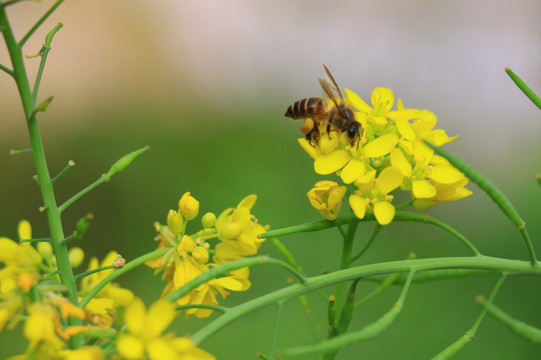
column 175, row 222
column 201, row 255
column 326, row 198
column 24, row 230
column 188, row 206
column 76, row 256
column 45, row 249
column 208, row 220
column 186, row 244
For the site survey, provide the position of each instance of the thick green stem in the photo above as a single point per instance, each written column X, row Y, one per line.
column 49, row 201
column 513, row 267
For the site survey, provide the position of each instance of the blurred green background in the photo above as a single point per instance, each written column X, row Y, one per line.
column 205, row 85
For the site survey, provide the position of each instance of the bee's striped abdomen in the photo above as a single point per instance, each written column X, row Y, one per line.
column 306, row 108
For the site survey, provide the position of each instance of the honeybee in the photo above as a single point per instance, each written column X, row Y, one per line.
column 316, row 111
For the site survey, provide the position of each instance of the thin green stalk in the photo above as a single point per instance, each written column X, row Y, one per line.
column 39, row 22
column 525, row 88
column 71, row 164
column 44, row 52
column 118, row 272
column 493, row 192
column 35, row 240
column 276, row 328
column 368, row 332
column 518, row 327
column 351, row 218
column 434, row 275
column 17, row 152
column 513, row 267
column 81, row 193
column 48, row 196
column 7, row 70
column 375, row 233
column 220, row 309
column 93, row 271
column 465, row 339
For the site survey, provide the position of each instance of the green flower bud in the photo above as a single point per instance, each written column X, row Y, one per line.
column 208, row 220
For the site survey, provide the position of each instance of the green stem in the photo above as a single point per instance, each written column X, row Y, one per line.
column 129, row 266
column 375, row 233
column 277, row 316
column 482, row 262
column 525, row 88
column 49, row 200
column 347, row 248
column 493, row 192
column 201, row 306
column 350, row 218
column 81, row 193
column 44, row 53
column 39, row 22
column 434, row 275
column 465, row 339
column 90, row 272
column 7, row 70
column 366, row 333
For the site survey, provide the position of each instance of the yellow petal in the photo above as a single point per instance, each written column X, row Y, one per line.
column 248, row 201
column 130, row 347
column 445, row 174
column 310, row 150
column 384, row 212
column 380, row 146
column 358, row 205
column 382, row 97
column 357, row 102
column 404, row 128
column 399, row 161
column 352, row 171
column 329, row 163
column 135, row 315
column 422, row 189
column 160, row 315
column 161, row 349
column 329, row 142
column 229, row 283
column 389, row 179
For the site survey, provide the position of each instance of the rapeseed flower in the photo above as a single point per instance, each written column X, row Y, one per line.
column 144, row 338
column 236, row 232
column 394, row 140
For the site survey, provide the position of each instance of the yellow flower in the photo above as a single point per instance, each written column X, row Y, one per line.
column 373, row 195
column 21, row 262
column 188, row 257
column 326, row 198
column 188, row 206
column 391, row 138
column 145, row 337
column 240, row 225
column 83, row 353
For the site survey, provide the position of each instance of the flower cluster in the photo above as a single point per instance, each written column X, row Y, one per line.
column 390, row 154
column 236, row 230
column 28, row 288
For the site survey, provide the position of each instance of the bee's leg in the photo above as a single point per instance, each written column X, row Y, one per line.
column 329, row 130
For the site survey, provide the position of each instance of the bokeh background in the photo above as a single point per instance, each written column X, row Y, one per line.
column 205, row 85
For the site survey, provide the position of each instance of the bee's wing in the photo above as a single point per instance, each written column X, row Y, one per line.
column 333, row 85
column 332, row 90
